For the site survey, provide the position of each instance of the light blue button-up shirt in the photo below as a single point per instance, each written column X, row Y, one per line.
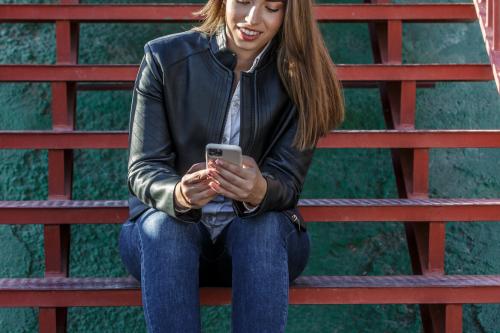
column 217, row 214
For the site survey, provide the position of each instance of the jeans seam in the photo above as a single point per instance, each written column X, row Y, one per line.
column 285, row 278
column 124, row 244
column 286, row 272
column 287, row 237
column 143, row 273
column 291, row 232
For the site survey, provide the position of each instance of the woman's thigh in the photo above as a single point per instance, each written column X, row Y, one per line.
column 273, row 227
column 157, row 236
column 263, row 234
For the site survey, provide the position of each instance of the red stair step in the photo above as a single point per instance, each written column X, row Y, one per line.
column 318, row 210
column 401, row 289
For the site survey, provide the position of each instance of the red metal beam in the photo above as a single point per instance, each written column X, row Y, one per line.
column 99, row 13
column 54, row 73
column 373, row 73
column 453, row 318
column 220, row 296
column 415, row 72
column 313, row 210
column 404, row 12
column 479, row 211
column 63, row 140
column 63, row 212
column 460, row 12
column 57, row 238
column 410, row 165
column 330, row 290
column 335, row 139
column 392, row 295
column 411, row 139
column 489, row 14
column 496, row 26
column 130, row 85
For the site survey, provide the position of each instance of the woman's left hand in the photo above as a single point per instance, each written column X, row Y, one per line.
column 243, row 183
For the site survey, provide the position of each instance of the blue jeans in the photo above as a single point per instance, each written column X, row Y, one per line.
column 258, row 256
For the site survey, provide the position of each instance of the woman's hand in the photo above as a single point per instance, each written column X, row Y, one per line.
column 193, row 190
column 244, row 183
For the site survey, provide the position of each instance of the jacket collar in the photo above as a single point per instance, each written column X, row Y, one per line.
column 218, row 46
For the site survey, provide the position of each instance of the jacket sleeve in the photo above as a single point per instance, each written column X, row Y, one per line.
column 284, row 169
column 151, row 174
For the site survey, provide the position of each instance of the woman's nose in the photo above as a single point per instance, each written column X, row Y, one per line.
column 253, row 16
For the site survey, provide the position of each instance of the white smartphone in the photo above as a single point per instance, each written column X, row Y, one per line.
column 231, row 153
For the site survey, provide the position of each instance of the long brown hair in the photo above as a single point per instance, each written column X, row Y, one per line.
column 304, row 66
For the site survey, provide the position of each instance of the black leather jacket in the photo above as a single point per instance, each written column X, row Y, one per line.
column 180, row 100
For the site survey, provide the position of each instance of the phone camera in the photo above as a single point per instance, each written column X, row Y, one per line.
column 215, row 152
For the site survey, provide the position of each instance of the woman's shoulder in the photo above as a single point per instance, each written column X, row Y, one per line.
column 174, row 47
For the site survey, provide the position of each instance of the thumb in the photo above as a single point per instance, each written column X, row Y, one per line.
column 196, row 167
column 248, row 162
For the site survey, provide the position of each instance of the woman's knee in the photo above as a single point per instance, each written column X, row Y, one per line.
column 158, row 230
column 128, row 245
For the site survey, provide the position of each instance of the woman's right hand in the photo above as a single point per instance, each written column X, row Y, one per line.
column 194, row 186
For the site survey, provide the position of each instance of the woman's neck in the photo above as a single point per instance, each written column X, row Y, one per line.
column 244, row 58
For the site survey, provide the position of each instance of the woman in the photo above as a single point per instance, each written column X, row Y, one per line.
column 256, row 73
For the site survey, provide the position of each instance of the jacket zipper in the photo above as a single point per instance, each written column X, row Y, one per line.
column 255, row 114
column 228, row 103
column 252, row 133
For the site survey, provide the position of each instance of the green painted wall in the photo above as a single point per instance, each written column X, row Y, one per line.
column 354, row 248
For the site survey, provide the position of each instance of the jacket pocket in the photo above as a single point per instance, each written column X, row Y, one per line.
column 296, row 219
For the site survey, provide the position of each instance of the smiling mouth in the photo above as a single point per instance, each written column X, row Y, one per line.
column 249, row 34
column 249, row 30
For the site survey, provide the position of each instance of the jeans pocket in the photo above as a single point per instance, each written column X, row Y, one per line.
column 295, row 218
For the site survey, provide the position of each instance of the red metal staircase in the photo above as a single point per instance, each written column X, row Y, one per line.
column 440, row 296
column 488, row 13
